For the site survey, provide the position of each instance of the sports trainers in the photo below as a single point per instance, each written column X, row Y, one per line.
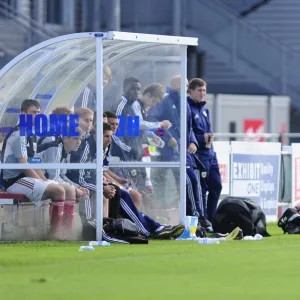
column 234, row 235
column 169, row 232
column 177, row 231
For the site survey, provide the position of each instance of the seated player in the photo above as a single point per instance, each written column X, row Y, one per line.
column 147, row 225
column 32, row 183
column 86, row 153
column 60, row 153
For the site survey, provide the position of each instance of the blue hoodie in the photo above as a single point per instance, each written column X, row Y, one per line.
column 201, row 125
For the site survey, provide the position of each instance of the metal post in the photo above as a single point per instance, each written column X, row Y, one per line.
column 177, row 21
column 84, row 15
column 270, row 119
column 115, row 23
column 193, row 63
column 97, row 15
column 234, row 30
column 183, row 146
column 99, row 118
column 72, row 15
column 217, row 113
column 283, row 71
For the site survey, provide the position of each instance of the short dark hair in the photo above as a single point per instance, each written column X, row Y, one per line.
column 129, row 80
column 111, row 114
column 104, row 115
column 196, row 82
column 106, row 127
column 28, row 103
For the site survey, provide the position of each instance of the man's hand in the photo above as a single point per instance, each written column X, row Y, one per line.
column 207, row 136
column 149, row 189
column 81, row 193
column 84, row 190
column 105, row 180
column 109, row 191
column 156, row 139
column 172, row 142
column 165, row 124
column 192, row 148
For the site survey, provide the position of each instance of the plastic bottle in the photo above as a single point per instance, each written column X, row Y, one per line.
column 258, row 237
column 86, row 248
column 208, row 241
column 100, row 243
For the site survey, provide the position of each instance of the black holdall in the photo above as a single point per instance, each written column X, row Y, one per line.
column 240, row 212
column 290, row 221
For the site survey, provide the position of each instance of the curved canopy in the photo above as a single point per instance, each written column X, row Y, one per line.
column 57, row 71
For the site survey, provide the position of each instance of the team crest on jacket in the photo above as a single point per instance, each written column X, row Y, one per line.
column 196, row 117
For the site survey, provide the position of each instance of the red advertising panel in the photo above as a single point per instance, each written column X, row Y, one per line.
column 251, row 127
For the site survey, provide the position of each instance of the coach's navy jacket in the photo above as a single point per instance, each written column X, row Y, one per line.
column 169, row 109
column 201, row 125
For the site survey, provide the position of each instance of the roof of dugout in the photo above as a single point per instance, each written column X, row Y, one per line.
column 56, row 71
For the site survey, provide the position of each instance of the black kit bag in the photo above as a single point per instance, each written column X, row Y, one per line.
column 240, row 212
column 119, row 230
column 290, row 221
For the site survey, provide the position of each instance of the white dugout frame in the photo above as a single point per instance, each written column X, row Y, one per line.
column 118, row 36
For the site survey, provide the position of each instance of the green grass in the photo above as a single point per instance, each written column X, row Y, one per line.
column 171, row 270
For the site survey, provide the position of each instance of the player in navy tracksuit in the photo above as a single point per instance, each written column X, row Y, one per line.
column 127, row 207
column 169, row 109
column 195, row 204
column 203, row 132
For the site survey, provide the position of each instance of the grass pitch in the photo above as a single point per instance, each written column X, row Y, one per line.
column 170, row 270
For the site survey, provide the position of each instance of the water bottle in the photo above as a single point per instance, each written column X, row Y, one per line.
column 100, row 243
column 86, row 248
column 208, row 241
column 258, row 237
